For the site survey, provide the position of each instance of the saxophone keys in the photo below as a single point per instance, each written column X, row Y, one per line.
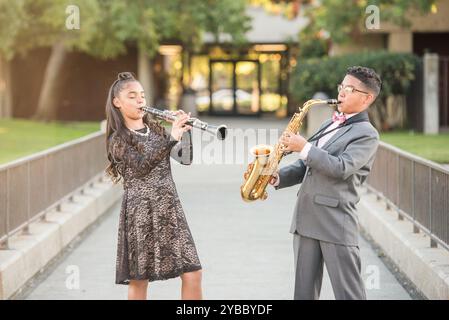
column 248, row 171
column 264, row 196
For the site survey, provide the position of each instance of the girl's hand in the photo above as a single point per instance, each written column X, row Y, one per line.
column 179, row 126
column 176, row 113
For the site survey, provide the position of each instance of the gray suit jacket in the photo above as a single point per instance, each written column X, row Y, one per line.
column 330, row 181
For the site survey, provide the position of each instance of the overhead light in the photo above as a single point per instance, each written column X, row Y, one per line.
column 169, row 50
column 270, row 47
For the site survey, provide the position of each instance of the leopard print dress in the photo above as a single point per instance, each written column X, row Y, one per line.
column 154, row 239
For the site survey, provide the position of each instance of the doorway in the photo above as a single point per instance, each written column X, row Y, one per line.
column 234, row 87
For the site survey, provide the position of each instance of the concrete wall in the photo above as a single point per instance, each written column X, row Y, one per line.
column 432, row 22
column 30, row 253
column 83, row 87
column 426, row 267
column 400, row 39
column 367, row 42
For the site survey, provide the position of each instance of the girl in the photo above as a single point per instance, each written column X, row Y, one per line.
column 154, row 240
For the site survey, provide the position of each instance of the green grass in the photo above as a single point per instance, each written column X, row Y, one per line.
column 432, row 147
column 20, row 138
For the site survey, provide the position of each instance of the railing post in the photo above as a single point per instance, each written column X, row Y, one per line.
column 385, row 182
column 415, row 228
column 8, row 220
column 44, row 216
column 398, row 197
column 433, row 244
column 26, row 229
column 4, row 245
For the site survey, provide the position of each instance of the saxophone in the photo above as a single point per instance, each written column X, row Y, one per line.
column 267, row 158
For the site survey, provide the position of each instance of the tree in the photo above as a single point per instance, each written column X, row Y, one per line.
column 43, row 23
column 11, row 20
column 344, row 20
column 106, row 28
column 152, row 22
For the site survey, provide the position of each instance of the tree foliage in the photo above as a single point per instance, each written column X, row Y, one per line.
column 107, row 26
column 343, row 20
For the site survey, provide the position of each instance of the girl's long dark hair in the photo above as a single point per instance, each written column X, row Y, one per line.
column 115, row 126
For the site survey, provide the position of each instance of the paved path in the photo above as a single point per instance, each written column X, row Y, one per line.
column 245, row 249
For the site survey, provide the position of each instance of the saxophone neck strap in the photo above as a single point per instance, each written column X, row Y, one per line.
column 360, row 117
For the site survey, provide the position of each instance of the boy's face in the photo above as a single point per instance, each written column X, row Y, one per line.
column 354, row 102
column 130, row 99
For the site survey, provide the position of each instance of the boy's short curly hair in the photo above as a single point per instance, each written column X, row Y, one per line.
column 368, row 77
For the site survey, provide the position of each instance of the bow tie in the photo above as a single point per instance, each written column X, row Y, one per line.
column 340, row 118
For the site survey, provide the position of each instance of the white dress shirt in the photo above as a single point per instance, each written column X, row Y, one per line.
column 303, row 154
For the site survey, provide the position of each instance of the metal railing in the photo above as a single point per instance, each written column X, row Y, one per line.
column 418, row 189
column 31, row 186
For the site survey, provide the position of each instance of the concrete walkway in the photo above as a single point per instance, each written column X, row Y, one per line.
column 245, row 248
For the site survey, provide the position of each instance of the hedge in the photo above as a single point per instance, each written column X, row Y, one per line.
column 396, row 70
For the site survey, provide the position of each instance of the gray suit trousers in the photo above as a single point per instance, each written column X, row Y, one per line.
column 342, row 263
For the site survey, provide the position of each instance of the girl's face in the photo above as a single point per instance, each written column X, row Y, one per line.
column 130, row 99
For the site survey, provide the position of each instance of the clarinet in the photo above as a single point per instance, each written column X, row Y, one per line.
column 219, row 132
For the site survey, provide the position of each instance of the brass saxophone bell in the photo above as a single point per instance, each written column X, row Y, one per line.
column 262, row 152
column 267, row 158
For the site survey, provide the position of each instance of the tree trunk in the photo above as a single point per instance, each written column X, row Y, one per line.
column 5, row 89
column 145, row 75
column 48, row 99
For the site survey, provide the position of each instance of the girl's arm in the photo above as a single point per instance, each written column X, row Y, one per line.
column 128, row 156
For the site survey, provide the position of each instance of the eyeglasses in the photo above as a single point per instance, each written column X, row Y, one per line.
column 349, row 89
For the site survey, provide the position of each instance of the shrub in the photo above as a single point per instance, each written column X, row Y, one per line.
column 397, row 71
